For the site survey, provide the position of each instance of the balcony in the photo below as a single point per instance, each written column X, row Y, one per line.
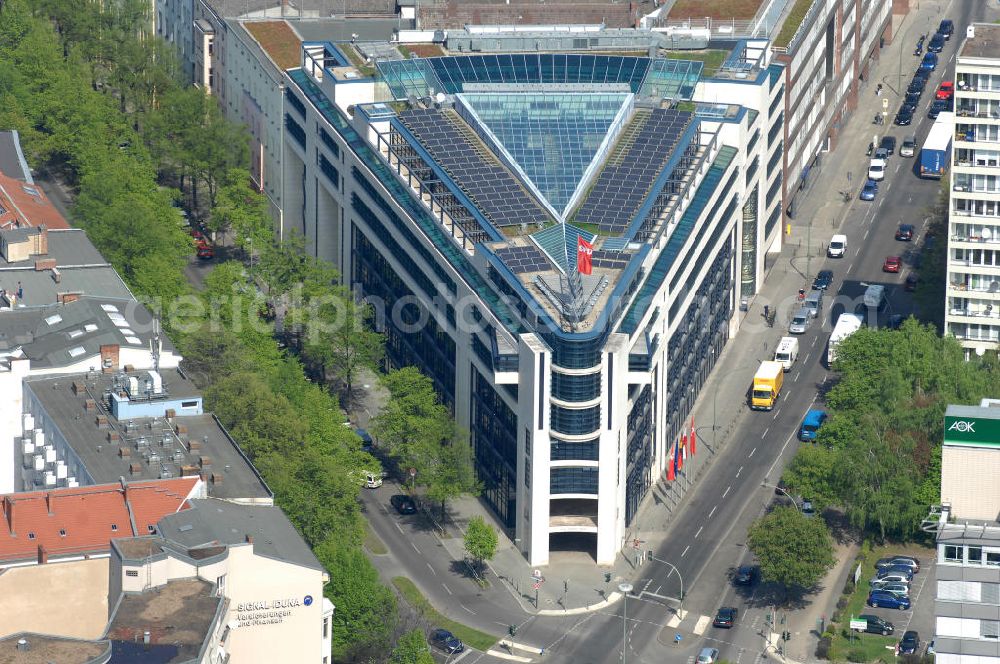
column 989, row 289
column 989, row 315
column 976, row 239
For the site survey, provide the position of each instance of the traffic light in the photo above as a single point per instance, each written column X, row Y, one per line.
column 786, row 636
column 512, row 630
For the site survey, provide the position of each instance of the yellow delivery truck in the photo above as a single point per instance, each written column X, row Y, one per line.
column 767, row 385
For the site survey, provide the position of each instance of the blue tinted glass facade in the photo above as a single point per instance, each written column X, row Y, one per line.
column 575, row 421
column 494, row 442
column 560, row 450
column 639, row 462
column 296, row 131
column 566, row 387
column 573, row 480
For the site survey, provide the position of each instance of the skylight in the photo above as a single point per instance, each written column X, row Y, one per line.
column 90, row 327
column 73, row 334
column 53, row 319
column 77, row 351
column 135, row 341
column 109, row 308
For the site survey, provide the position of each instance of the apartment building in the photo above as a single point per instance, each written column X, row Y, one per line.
column 972, row 310
column 826, row 59
column 463, row 196
column 967, row 598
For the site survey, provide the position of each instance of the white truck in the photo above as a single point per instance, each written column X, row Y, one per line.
column 787, row 352
column 847, row 324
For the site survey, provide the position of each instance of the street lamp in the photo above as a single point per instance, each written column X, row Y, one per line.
column 673, row 570
column 787, row 495
column 625, row 588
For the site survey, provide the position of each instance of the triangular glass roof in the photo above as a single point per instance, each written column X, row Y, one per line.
column 553, row 137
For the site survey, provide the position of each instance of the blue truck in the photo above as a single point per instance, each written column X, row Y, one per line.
column 811, row 423
column 937, row 148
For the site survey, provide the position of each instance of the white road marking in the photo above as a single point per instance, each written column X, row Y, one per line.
column 674, row 621
column 763, row 435
column 467, row 608
column 685, row 550
column 415, row 547
column 431, row 569
column 807, row 356
column 856, row 252
column 813, row 342
column 712, row 512
column 447, row 588
column 700, row 528
column 785, row 398
column 504, row 655
column 398, row 528
column 728, row 488
column 699, row 627
column 867, row 231
column 752, row 452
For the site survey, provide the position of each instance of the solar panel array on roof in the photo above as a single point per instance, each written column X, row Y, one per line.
column 643, row 150
column 612, row 260
column 492, row 188
column 523, row 259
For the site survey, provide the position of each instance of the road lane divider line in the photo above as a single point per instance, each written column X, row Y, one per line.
column 764, row 435
column 399, row 528
column 752, row 452
column 685, row 550
column 700, row 528
column 415, row 547
column 447, row 588
column 731, row 486
column 433, row 571
column 712, row 512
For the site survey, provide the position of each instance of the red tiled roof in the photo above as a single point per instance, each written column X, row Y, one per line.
column 26, row 205
column 85, row 519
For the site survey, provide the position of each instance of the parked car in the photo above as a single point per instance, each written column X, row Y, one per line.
column 916, row 86
column 908, row 147
column 936, row 44
column 882, row 153
column 807, row 508
column 908, row 562
column 877, row 583
column 946, row 28
column 205, row 250
column 904, row 116
column 403, row 504
column 823, row 280
column 800, row 322
column 877, row 598
column 895, row 321
column 909, row 644
column 725, row 617
column 446, row 641
column 869, row 190
column 877, row 625
column 745, row 575
column 910, row 284
column 876, row 169
column 912, row 99
column 708, row 656
column 937, row 107
column 930, row 62
column 945, row 91
column 891, row 264
column 904, row 232
column 888, row 143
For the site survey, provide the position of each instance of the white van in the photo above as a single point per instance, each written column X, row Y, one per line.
column 838, row 245
column 875, row 296
column 787, row 352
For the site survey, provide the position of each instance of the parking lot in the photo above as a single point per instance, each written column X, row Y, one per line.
column 920, row 616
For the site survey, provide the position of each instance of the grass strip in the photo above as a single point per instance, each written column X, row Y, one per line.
column 374, row 543
column 470, row 636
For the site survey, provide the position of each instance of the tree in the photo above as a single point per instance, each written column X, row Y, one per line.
column 412, row 420
column 450, row 472
column 480, row 540
column 794, row 550
column 411, row 648
column 242, row 211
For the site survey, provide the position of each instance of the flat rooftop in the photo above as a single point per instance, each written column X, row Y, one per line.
column 148, row 447
column 715, row 9
column 43, row 649
column 985, row 43
column 82, row 269
column 178, row 617
column 278, row 40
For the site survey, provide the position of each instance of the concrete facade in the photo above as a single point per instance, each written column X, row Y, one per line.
column 972, row 308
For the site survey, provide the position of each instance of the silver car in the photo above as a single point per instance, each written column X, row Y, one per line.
column 800, row 321
column 708, row 656
column 897, row 588
column 889, row 578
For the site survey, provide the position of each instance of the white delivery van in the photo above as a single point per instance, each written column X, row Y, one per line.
column 787, row 352
column 838, row 245
column 875, row 296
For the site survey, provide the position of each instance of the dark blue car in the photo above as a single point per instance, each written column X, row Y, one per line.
column 877, row 598
column 447, row 641
column 946, row 28
column 936, row 44
column 929, row 63
column 869, row 190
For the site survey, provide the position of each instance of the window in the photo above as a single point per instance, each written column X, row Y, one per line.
column 993, row 558
column 189, row 404
column 114, row 527
column 62, row 532
column 974, row 555
column 989, row 629
column 133, row 573
column 151, row 528
column 220, row 585
column 31, row 536
column 326, row 628
column 952, row 553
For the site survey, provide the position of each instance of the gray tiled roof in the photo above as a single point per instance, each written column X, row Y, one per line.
column 12, row 162
column 212, row 521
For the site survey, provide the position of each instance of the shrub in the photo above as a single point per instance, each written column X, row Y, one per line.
column 823, row 647
column 842, row 603
column 856, row 655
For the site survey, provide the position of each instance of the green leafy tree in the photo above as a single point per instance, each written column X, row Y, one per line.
column 794, row 550
column 242, row 211
column 413, row 420
column 411, row 648
column 450, row 472
column 480, row 540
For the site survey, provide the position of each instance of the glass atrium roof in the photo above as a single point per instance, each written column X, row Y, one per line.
column 453, row 74
column 553, row 137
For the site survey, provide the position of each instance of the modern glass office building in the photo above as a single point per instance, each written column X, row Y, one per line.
column 454, row 193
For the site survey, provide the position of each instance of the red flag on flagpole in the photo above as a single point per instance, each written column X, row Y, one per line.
column 584, row 254
column 684, row 446
column 670, row 468
column 693, row 451
column 679, row 458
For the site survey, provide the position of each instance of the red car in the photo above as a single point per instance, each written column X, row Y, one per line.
column 945, row 91
column 205, row 250
column 891, row 264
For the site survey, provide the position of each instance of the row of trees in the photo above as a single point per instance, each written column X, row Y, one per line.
column 100, row 104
